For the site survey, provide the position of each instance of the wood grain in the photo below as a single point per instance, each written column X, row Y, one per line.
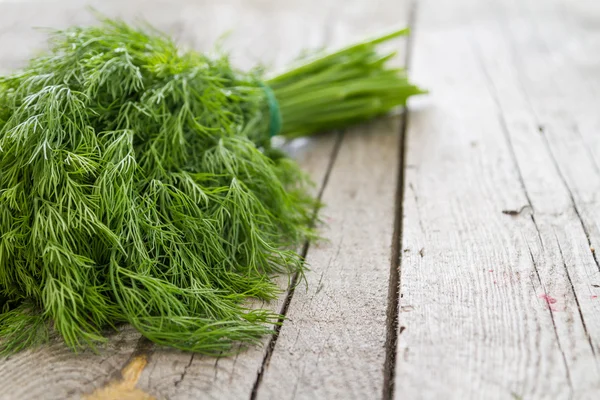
column 566, row 209
column 491, row 307
column 55, row 372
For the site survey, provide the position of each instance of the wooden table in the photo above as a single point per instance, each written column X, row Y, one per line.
column 460, row 261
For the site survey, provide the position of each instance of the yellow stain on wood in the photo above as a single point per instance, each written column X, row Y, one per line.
column 125, row 388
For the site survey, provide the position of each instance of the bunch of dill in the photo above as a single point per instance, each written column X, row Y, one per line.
column 138, row 184
column 129, row 192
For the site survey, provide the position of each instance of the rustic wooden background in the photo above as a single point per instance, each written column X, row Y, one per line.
column 460, row 261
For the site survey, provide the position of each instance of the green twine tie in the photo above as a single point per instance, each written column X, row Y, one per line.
column 275, row 114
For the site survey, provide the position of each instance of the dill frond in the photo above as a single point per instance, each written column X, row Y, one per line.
column 130, row 193
column 138, row 185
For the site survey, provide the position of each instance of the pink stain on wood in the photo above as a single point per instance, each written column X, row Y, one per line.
column 594, row 296
column 549, row 300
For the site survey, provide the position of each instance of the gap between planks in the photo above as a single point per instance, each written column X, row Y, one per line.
column 294, row 282
column 394, row 295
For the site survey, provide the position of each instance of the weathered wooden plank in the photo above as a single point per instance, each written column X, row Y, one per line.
column 489, row 308
column 544, row 113
column 578, row 27
column 55, row 372
column 470, row 323
column 23, row 25
column 333, row 344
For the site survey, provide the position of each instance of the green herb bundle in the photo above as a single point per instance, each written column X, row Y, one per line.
column 138, row 185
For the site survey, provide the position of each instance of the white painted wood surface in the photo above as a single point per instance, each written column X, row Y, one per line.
column 501, row 306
